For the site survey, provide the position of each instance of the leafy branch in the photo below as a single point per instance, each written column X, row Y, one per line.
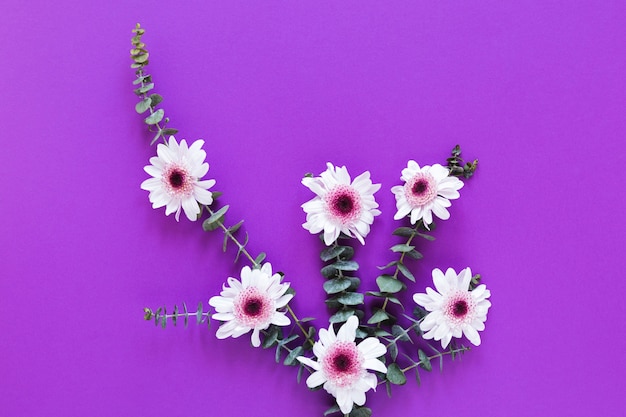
column 161, row 317
column 156, row 119
column 342, row 289
column 460, row 168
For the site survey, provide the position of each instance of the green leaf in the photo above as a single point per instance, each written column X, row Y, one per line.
column 354, row 283
column 405, row 271
column 395, row 374
column 404, row 232
column 341, row 316
column 233, row 229
column 329, row 271
column 155, row 117
column 336, row 285
column 395, row 301
column 142, row 106
column 144, row 89
column 260, row 258
column 156, row 137
column 157, row 315
column 346, row 265
column 378, row 316
column 199, row 313
column 332, row 410
column 424, row 361
column 381, row 333
column 156, row 99
column 415, row 254
column 175, row 315
column 351, row 298
column 141, row 58
column 399, row 333
column 169, row 131
column 390, row 264
column 289, row 339
column 387, row 283
column 360, row 412
column 279, row 349
column 332, row 252
column 214, row 221
column 271, row 338
column 402, row 248
column 393, row 351
column 291, row 359
column 425, row 236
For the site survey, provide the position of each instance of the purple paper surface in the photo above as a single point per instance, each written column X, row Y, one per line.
column 534, row 89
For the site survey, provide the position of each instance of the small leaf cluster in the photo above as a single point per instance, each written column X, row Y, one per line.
column 156, row 119
column 341, row 289
column 389, row 284
column 161, row 317
column 458, row 167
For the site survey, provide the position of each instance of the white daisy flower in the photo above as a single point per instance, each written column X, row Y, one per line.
column 251, row 304
column 342, row 364
column 175, row 182
column 454, row 310
column 426, row 191
column 340, row 205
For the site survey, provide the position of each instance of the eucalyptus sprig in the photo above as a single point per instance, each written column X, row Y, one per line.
column 161, row 317
column 458, row 167
column 341, row 289
column 156, row 120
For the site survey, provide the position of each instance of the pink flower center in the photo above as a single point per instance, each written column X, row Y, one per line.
column 344, row 203
column 253, row 308
column 420, row 190
column 343, row 364
column 459, row 308
column 177, row 181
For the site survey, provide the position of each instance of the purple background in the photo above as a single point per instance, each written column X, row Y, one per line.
column 535, row 89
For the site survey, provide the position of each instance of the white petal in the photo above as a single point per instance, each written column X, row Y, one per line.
column 472, row 335
column 280, row 319
column 256, row 340
column 375, row 365
column 190, row 205
column 441, row 284
column 315, row 379
column 344, row 400
column 308, row 362
column 440, row 211
column 347, row 332
column 371, row 348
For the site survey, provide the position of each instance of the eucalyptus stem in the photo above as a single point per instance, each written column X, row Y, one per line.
column 397, row 271
column 299, row 323
column 241, row 248
column 437, row 356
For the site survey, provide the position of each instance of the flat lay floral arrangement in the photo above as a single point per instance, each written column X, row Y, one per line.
column 373, row 338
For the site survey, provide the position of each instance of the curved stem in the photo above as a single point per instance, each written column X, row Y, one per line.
column 438, row 355
column 299, row 323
